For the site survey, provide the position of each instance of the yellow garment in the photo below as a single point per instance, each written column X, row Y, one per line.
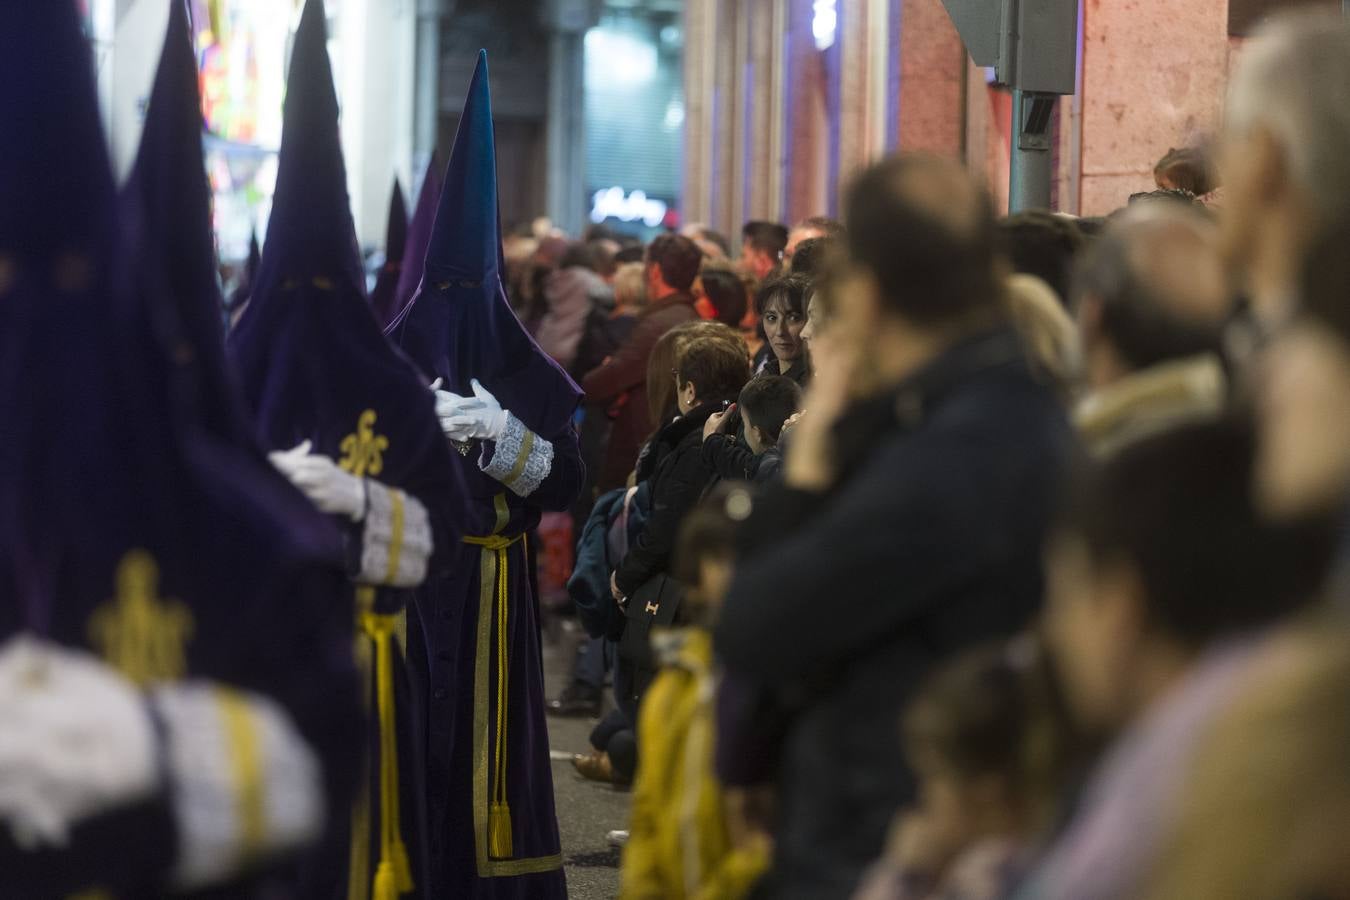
column 679, row 845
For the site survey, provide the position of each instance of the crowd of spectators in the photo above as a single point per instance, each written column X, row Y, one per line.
column 934, row 554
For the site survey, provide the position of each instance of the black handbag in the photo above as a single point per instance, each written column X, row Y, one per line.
column 656, row 603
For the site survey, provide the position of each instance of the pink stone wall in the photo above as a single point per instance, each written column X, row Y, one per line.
column 1154, row 73
column 932, row 65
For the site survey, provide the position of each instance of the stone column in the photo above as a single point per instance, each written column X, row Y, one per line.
column 376, row 74
column 932, row 79
column 762, row 149
column 701, row 41
column 566, row 131
column 806, row 119
column 426, row 90
column 864, row 30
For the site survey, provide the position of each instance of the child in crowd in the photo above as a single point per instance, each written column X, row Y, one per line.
column 765, row 404
column 982, row 739
column 682, row 842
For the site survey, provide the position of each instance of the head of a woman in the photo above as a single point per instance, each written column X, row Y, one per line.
column 781, row 306
column 664, row 362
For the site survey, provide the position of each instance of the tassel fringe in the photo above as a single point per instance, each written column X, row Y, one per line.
column 403, row 868
column 499, row 831
column 385, row 886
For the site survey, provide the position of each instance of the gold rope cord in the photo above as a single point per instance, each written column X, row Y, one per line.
column 491, row 816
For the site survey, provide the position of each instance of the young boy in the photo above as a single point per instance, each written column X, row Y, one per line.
column 765, row 404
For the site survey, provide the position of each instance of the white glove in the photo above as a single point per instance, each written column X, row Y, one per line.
column 330, row 488
column 76, row 740
column 479, row 417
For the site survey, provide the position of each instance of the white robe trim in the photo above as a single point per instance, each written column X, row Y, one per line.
column 521, row 460
column 244, row 784
column 397, row 530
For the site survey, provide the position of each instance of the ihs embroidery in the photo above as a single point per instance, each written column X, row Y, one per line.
column 140, row 635
column 363, row 451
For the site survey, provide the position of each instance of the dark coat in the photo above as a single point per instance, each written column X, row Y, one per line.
column 799, row 371
column 928, row 542
column 620, row 385
column 731, row 460
column 677, row 484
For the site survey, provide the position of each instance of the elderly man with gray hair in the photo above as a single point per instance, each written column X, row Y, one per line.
column 1285, row 156
column 1152, row 302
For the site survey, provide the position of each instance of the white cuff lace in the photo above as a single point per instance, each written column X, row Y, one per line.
column 396, row 544
column 521, row 460
column 244, row 784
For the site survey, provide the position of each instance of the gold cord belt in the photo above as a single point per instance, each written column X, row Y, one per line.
column 499, row 812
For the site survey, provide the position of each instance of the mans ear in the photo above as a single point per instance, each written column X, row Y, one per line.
column 1123, row 599
column 1089, row 315
column 1271, row 178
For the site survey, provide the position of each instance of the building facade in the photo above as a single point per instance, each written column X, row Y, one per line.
column 788, row 98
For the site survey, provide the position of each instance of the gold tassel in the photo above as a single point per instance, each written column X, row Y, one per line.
column 499, row 831
column 385, row 888
column 403, row 868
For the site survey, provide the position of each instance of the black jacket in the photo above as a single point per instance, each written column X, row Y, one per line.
column 843, row 601
column 731, row 460
column 677, row 483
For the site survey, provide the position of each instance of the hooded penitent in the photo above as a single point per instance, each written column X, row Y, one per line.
column 310, row 356
column 395, row 241
column 415, row 243
column 239, row 296
column 314, row 366
column 128, row 529
column 489, row 782
column 460, row 326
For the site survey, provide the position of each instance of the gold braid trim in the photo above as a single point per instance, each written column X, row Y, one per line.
column 491, row 813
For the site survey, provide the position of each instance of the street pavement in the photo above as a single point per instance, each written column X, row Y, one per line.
column 586, row 810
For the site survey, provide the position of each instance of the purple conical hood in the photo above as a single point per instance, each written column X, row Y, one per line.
column 415, row 247
column 311, row 223
column 168, row 203
column 395, row 241
column 459, row 325
column 313, row 363
column 57, row 228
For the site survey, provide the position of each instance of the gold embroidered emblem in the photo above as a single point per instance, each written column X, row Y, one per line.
column 139, row 634
column 363, row 450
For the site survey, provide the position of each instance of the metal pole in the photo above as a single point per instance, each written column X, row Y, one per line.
column 1029, row 179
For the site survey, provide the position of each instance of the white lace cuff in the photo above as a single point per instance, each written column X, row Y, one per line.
column 521, row 460
column 244, row 784
column 396, row 544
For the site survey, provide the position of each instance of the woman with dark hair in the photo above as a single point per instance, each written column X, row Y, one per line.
column 781, row 306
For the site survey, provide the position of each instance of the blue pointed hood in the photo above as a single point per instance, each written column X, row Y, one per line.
column 312, row 362
column 459, row 325
column 395, row 241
